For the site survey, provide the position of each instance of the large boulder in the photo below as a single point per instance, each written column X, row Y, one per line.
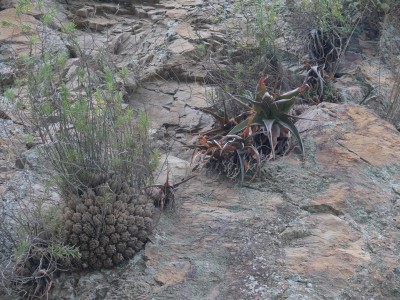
column 323, row 227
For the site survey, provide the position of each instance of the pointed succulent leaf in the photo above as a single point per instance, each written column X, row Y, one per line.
column 232, row 136
column 215, row 143
column 258, row 119
column 276, row 132
column 293, row 93
column 268, row 123
column 238, row 128
column 286, row 122
column 241, row 102
column 283, row 106
column 228, row 147
column 237, row 144
column 259, row 107
column 214, row 132
column 247, row 131
column 283, row 131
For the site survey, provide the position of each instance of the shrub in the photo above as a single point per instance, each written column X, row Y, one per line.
column 100, row 153
column 35, row 233
column 328, row 25
column 100, row 150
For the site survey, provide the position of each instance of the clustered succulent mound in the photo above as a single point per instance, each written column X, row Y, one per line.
column 109, row 223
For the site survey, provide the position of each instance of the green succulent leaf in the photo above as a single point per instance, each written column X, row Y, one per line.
column 241, row 102
column 287, row 123
column 217, row 115
column 260, row 107
column 268, row 123
column 288, row 95
column 283, row 106
column 266, row 115
column 257, row 120
column 239, row 127
column 293, row 93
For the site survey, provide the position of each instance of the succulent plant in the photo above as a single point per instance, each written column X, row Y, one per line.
column 108, row 223
column 272, row 114
column 244, row 142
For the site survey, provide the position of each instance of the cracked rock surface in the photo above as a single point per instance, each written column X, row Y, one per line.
column 323, row 227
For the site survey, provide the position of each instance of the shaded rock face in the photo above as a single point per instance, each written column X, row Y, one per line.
column 12, row 41
column 325, row 227
column 15, row 41
column 363, row 81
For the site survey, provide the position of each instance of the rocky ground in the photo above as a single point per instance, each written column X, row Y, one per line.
column 323, row 227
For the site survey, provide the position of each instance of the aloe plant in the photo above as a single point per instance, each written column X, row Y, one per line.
column 238, row 145
column 272, row 114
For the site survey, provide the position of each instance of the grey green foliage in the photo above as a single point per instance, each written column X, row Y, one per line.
column 93, row 133
column 88, row 136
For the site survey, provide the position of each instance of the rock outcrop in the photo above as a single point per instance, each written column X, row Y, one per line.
column 326, row 227
column 323, row 227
